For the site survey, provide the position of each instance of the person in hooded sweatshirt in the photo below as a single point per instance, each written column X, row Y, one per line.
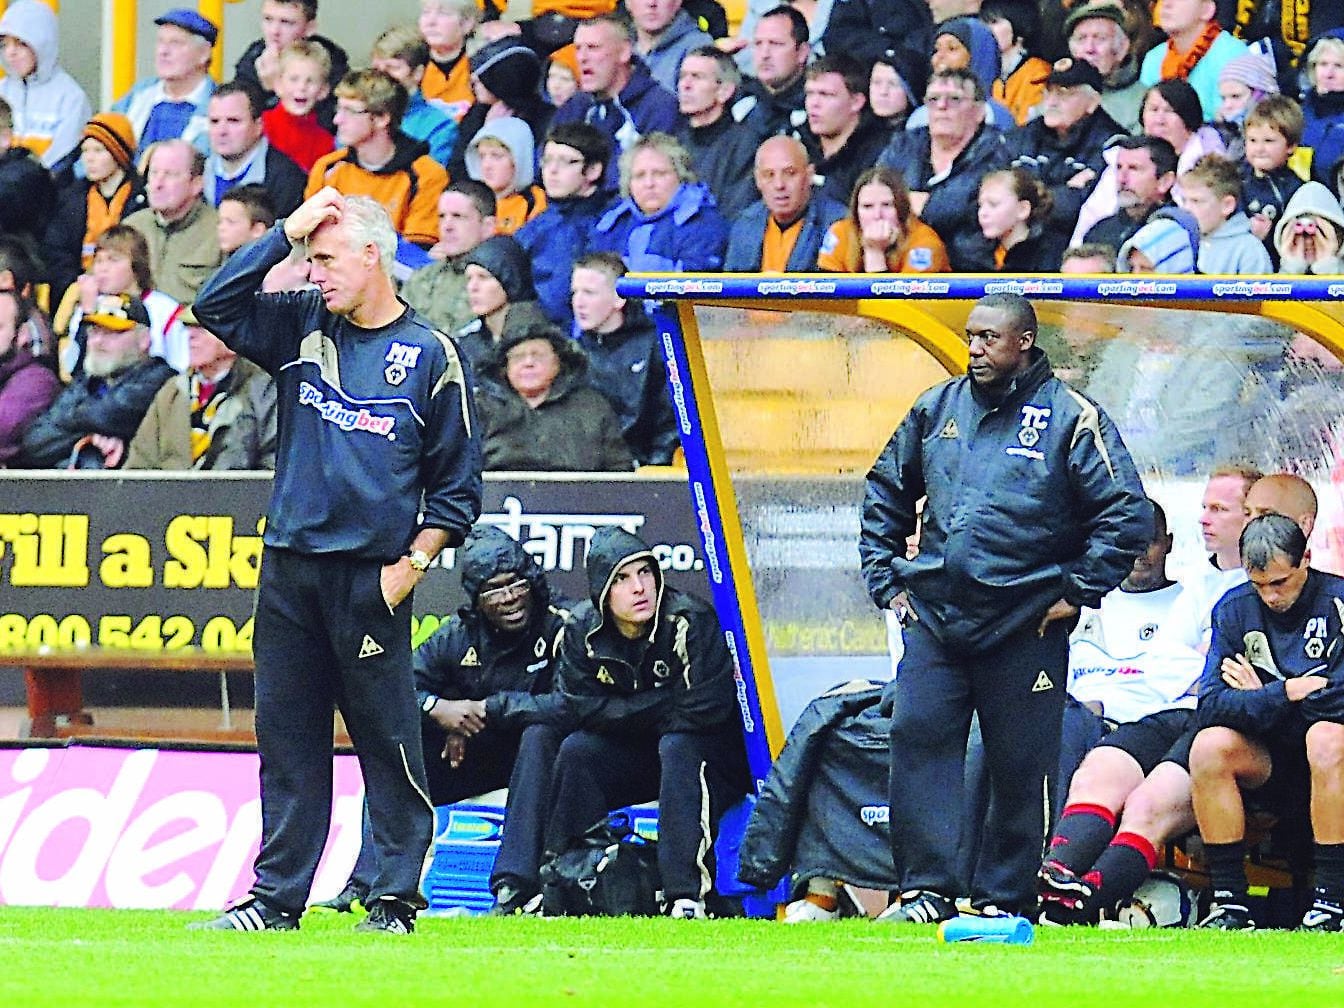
column 501, row 156
column 625, row 358
column 1167, row 243
column 376, row 159
column 50, row 109
column 573, row 166
column 666, row 221
column 538, row 412
column 1310, row 232
column 484, row 682
column 501, row 293
column 967, row 43
column 646, row 673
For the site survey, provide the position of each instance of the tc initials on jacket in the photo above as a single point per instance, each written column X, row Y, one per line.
column 1035, row 419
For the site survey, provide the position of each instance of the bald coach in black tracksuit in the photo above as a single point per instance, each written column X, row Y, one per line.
column 1034, row 508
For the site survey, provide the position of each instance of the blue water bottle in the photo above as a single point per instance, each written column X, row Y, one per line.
column 1000, row 930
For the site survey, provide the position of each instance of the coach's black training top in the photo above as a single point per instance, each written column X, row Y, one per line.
column 369, row 419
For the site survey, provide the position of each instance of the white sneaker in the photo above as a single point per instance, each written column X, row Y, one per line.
column 688, row 909
column 802, row 911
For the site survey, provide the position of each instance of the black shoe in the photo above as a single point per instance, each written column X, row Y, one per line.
column 919, row 906
column 349, row 900
column 390, row 915
column 249, row 915
column 1325, row 914
column 511, row 900
column 1058, row 883
column 1228, row 917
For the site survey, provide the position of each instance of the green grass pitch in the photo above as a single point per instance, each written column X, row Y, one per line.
column 146, row 959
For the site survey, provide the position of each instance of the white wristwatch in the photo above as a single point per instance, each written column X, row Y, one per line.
column 420, row 560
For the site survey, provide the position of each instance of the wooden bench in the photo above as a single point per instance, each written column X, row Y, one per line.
column 53, row 678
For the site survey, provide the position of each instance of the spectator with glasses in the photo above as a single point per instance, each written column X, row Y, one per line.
column 942, row 163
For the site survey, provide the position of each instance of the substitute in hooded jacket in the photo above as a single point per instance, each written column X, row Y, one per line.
column 1033, row 509
column 646, row 673
column 50, row 109
column 402, row 176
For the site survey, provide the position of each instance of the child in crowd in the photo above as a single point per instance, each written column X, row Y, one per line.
column 245, row 213
column 446, row 25
column 562, row 75
column 1167, row 243
column 284, row 22
column 889, row 96
column 292, row 126
column 120, row 266
column 1243, row 81
column 1014, row 206
column 1309, row 233
column 1016, row 25
column 50, row 109
column 403, row 54
column 1273, row 131
column 501, row 156
column 881, row 233
column 1212, row 191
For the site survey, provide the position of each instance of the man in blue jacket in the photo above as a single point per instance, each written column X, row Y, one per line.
column 1271, row 711
column 378, row 468
column 484, row 683
column 1034, row 509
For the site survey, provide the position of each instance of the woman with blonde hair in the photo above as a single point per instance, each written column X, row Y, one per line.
column 881, row 233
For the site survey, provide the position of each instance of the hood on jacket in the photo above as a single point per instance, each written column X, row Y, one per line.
column 975, row 35
column 505, row 260
column 573, row 361
column 487, row 552
column 610, row 549
column 1170, row 240
column 1311, row 200
column 514, row 134
column 34, row 24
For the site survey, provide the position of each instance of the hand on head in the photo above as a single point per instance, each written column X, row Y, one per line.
column 327, row 204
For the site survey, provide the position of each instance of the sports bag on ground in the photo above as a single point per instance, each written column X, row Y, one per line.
column 610, row 871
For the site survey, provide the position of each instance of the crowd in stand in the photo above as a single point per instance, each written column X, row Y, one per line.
column 527, row 165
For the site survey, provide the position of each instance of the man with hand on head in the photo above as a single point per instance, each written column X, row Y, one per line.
column 378, row 468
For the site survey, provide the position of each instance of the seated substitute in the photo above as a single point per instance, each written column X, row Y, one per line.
column 1271, row 717
column 646, row 672
column 484, row 683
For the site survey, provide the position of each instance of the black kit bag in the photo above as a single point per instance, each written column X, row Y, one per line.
column 610, row 871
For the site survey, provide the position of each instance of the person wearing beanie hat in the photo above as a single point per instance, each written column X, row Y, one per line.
column 538, row 412
column 1168, row 243
column 109, row 191
column 501, row 155
column 506, row 81
column 501, row 293
column 1196, row 50
column 1244, row 81
column 48, row 105
column 562, row 75
column 173, row 104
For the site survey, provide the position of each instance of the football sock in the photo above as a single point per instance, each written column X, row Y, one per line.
column 1330, row 870
column 1227, row 871
column 1122, row 868
column 1082, row 834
